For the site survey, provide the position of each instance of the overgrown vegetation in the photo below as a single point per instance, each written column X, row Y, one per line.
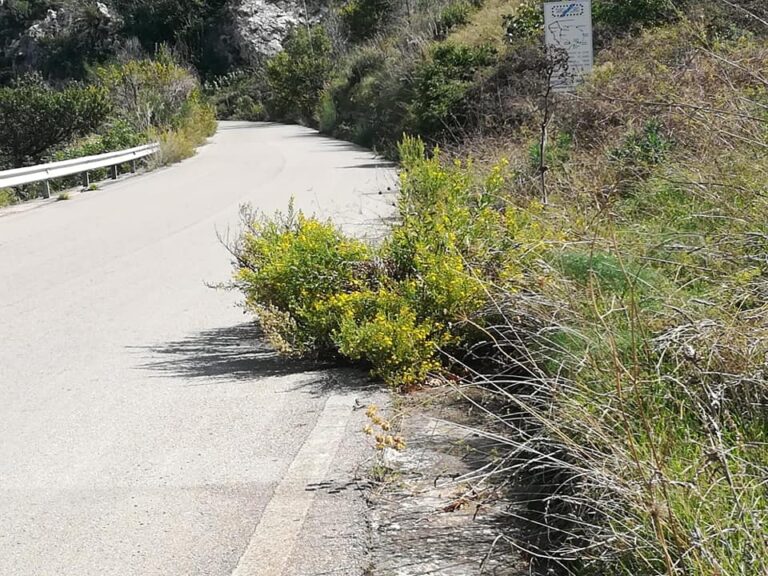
column 37, row 118
column 124, row 105
column 603, row 288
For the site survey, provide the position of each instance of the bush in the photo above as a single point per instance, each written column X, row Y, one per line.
column 149, row 92
column 527, row 21
column 364, row 18
column 395, row 307
column 289, row 264
column 7, row 197
column 455, row 15
column 91, row 35
column 327, row 116
column 442, row 83
column 37, row 118
column 383, row 329
column 296, row 77
column 626, row 15
column 195, row 122
column 188, row 25
column 238, row 96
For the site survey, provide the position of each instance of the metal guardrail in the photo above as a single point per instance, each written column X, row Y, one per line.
column 47, row 172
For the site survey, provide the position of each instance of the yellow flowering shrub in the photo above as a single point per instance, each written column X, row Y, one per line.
column 395, row 307
column 287, row 264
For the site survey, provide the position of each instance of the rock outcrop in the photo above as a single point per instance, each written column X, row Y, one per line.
column 260, row 26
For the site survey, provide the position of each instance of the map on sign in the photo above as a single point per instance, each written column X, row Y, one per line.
column 568, row 29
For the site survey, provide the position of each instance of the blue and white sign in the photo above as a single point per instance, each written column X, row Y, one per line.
column 568, row 29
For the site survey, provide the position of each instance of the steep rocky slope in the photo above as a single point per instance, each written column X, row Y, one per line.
column 58, row 37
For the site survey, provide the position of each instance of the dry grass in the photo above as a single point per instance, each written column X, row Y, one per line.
column 487, row 25
column 628, row 367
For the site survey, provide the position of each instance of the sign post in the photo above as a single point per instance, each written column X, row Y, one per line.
column 568, row 31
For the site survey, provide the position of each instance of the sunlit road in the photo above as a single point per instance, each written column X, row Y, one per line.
column 144, row 428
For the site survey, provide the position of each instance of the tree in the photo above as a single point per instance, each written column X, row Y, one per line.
column 298, row 74
column 34, row 118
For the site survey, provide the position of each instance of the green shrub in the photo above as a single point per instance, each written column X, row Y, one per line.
column 149, row 92
column 556, row 152
column 327, row 117
column 37, row 118
column 238, row 95
column 453, row 16
column 289, row 264
column 192, row 26
column 442, row 83
column 297, row 75
column 624, row 15
column 395, row 307
column 194, row 124
column 90, row 36
column 639, row 153
column 526, row 21
column 383, row 329
column 7, row 197
column 364, row 18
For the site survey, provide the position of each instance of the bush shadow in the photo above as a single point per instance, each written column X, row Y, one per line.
column 241, row 352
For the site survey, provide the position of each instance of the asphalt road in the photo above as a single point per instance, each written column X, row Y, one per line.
column 144, row 427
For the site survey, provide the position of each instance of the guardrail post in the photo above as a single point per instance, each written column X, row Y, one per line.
column 75, row 167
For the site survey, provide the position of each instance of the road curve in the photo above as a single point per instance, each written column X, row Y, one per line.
column 144, row 428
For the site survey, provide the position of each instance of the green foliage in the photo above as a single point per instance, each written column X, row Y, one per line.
column 296, row 77
column 362, row 19
column 238, row 95
column 383, row 329
column 192, row 26
column 194, row 123
column 91, row 36
column 7, row 197
column 648, row 146
column 148, row 92
column 609, row 273
column 37, row 118
column 455, row 15
column 327, row 116
column 393, row 308
column 526, row 21
column 287, row 265
column 622, row 16
column 117, row 135
column 442, row 83
column 556, row 152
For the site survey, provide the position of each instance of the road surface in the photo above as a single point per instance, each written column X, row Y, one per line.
column 144, row 427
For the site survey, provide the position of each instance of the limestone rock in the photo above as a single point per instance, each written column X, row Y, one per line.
column 260, row 26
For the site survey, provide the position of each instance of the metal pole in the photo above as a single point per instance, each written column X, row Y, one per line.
column 114, row 172
column 86, row 180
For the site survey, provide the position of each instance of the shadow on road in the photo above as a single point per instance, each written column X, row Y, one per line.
column 236, row 352
column 241, row 353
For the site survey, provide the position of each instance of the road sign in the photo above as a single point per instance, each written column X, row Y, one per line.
column 568, row 30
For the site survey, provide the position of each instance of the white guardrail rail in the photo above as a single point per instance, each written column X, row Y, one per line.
column 47, row 172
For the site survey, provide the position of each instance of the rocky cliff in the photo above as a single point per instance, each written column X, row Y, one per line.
column 227, row 32
column 259, row 26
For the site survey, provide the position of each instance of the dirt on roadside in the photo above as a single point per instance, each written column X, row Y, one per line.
column 431, row 513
